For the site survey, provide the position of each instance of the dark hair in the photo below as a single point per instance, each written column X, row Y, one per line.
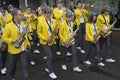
column 78, row 2
column 91, row 18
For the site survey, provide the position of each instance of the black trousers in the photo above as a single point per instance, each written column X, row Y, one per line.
column 13, row 61
column 3, row 55
column 80, row 37
column 49, row 50
column 107, row 41
column 88, row 50
column 64, row 51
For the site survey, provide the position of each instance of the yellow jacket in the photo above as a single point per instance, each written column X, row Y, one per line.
column 58, row 15
column 63, row 31
column 10, row 33
column 77, row 13
column 89, row 35
column 101, row 21
column 42, row 28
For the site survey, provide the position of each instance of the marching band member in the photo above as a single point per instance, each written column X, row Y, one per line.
column 65, row 32
column 90, row 33
column 11, row 36
column 104, row 19
column 80, row 19
column 46, row 27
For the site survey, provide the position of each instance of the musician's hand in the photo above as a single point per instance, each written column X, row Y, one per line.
column 48, row 40
column 104, row 31
column 56, row 31
column 66, row 42
column 15, row 40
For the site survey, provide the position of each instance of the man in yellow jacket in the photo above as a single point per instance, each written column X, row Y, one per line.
column 65, row 33
column 45, row 28
column 80, row 18
column 11, row 35
column 103, row 23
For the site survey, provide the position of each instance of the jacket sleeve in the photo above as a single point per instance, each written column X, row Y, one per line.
column 5, row 36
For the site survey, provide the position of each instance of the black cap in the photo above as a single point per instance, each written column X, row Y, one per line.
column 69, row 14
column 14, row 11
column 46, row 9
column 59, row 1
column 10, row 6
column 92, row 14
column 107, row 8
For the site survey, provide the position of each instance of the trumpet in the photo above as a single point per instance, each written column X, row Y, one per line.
column 71, row 39
column 109, row 29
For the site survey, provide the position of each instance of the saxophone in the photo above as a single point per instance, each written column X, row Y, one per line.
column 71, row 39
column 22, row 36
column 97, row 37
column 109, row 29
column 52, row 36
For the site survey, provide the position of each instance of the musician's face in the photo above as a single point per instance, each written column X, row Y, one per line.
column 60, row 5
column 28, row 10
column 68, row 19
column 106, row 12
column 79, row 5
column 94, row 18
column 48, row 14
column 19, row 15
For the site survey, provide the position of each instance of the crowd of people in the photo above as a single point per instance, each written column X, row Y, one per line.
column 56, row 29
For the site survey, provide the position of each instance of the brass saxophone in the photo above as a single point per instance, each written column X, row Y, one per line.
column 71, row 39
column 109, row 29
column 97, row 37
column 22, row 36
column 52, row 36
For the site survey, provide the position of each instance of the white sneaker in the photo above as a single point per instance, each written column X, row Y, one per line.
column 87, row 62
column 100, row 58
column 77, row 69
column 69, row 54
column 32, row 63
column 52, row 75
column 110, row 60
column 46, row 69
column 58, row 53
column 5, row 68
column 101, row 64
column 78, row 48
column 38, row 44
column 82, row 51
column 45, row 57
column 3, row 72
column 36, row 51
column 64, row 67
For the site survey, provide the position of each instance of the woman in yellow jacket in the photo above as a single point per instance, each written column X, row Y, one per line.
column 103, row 23
column 80, row 18
column 45, row 28
column 11, row 36
column 65, row 33
column 90, row 32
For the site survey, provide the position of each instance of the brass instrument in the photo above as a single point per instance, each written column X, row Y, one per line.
column 97, row 37
column 71, row 39
column 52, row 36
column 109, row 29
column 22, row 36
